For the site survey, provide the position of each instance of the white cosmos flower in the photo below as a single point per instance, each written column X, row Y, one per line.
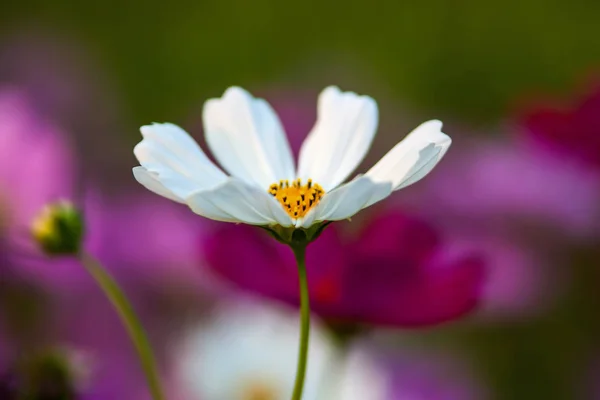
column 263, row 186
column 248, row 351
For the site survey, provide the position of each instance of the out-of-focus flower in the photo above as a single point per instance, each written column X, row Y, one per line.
column 396, row 271
column 506, row 183
column 118, row 229
column 265, row 188
column 46, row 176
column 26, row 188
column 573, row 130
column 248, row 352
column 362, row 363
column 513, row 202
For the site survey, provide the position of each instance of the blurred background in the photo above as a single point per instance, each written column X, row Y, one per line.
column 479, row 282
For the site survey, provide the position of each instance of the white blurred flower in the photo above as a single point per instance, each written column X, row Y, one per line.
column 362, row 378
column 264, row 187
column 249, row 352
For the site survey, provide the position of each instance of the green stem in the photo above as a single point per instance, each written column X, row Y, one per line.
column 129, row 319
column 300, row 253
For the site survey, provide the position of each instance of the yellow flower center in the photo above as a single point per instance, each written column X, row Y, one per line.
column 297, row 199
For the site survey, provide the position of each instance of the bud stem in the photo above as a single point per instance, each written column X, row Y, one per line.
column 128, row 317
column 300, row 253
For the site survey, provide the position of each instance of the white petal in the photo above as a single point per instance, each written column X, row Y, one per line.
column 347, row 200
column 150, row 181
column 202, row 206
column 412, row 158
column 172, row 159
column 346, row 125
column 177, row 145
column 247, row 138
column 180, row 186
column 237, row 201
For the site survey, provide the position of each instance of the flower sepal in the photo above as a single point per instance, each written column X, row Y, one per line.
column 293, row 236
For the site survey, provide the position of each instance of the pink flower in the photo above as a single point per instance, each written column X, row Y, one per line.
column 395, row 272
column 505, row 183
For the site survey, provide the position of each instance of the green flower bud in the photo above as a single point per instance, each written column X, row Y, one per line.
column 58, row 229
column 46, row 375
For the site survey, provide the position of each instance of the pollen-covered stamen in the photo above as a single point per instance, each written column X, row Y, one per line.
column 297, row 199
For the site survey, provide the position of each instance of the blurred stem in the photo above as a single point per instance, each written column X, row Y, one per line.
column 128, row 317
column 300, row 253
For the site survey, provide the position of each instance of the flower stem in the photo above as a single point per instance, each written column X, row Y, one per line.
column 300, row 253
column 128, row 318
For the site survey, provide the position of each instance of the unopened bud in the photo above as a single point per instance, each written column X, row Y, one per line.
column 58, row 229
column 46, row 375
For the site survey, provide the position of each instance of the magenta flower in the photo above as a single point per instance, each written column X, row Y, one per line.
column 35, row 163
column 396, row 271
column 573, row 130
column 47, row 176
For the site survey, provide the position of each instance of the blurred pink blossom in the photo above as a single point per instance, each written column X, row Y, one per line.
column 499, row 182
column 394, row 272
